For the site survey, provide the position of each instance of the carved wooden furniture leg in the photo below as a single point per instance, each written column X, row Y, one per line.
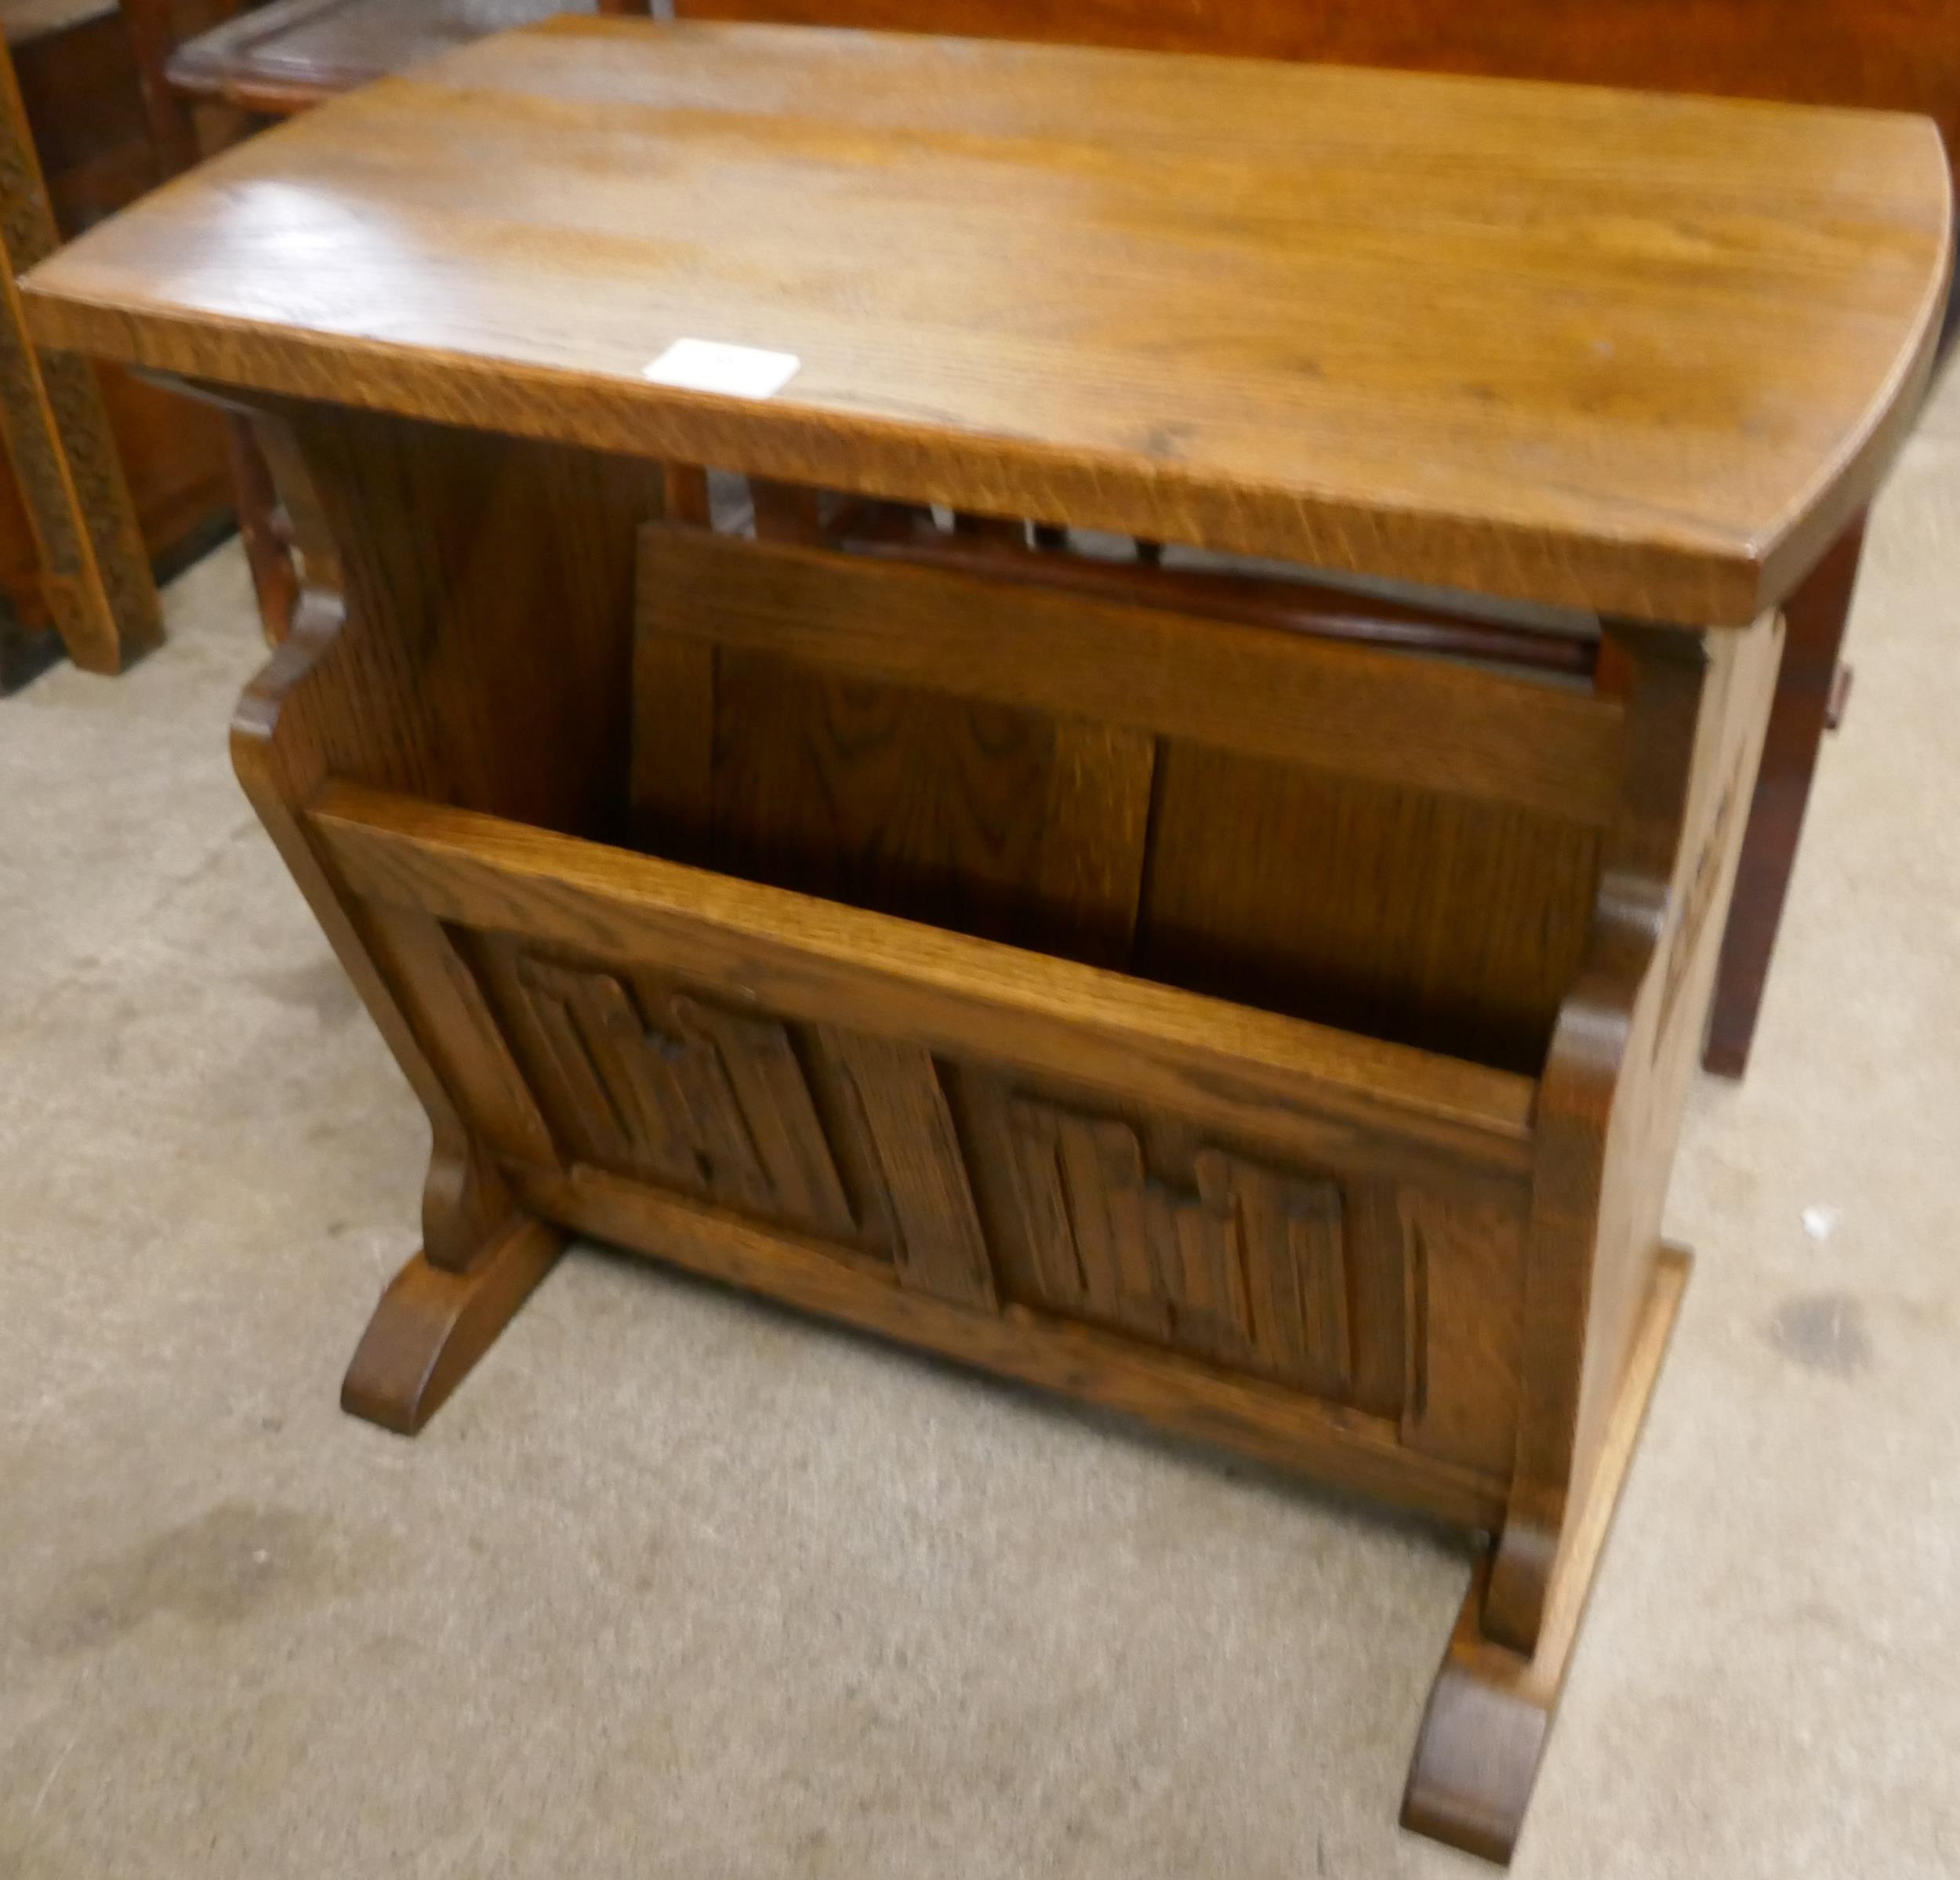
column 1491, row 1710
column 1600, row 1291
column 275, row 579
column 1615, row 1079
column 96, row 579
column 432, row 1325
column 1816, row 615
column 345, row 693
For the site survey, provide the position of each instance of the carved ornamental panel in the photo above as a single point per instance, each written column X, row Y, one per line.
column 711, row 1102
column 853, row 1140
column 1248, row 1266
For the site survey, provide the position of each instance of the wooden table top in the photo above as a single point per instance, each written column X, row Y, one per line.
column 1639, row 354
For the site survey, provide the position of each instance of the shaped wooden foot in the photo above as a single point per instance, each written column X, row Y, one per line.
column 1491, row 1710
column 432, row 1325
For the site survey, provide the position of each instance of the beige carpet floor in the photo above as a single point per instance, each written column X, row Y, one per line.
column 681, row 1586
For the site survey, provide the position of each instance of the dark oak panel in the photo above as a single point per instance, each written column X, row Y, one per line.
column 1263, row 691
column 1270, row 884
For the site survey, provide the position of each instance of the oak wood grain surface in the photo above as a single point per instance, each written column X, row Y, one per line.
column 1277, row 694
column 1262, row 1072
column 1645, row 354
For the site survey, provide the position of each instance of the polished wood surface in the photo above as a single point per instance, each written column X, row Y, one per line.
column 1641, row 354
column 1489, row 1712
column 1902, row 55
column 201, row 86
column 295, row 53
column 1280, row 1040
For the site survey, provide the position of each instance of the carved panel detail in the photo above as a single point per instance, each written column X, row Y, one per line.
column 941, row 1248
column 711, row 1102
column 1249, row 1266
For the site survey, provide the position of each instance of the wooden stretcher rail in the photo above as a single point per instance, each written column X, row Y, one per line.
column 1286, row 1427
column 1263, row 691
column 1336, row 1099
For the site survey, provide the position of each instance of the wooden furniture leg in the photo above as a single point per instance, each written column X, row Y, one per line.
column 432, row 1325
column 1598, row 1283
column 1491, row 1710
column 275, row 579
column 96, row 581
column 1815, row 616
column 445, row 546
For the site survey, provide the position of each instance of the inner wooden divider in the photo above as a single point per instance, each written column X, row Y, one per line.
column 1402, row 846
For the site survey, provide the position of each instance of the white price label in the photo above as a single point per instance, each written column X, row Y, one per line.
column 712, row 365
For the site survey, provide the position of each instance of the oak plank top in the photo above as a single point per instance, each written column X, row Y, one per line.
column 1638, row 354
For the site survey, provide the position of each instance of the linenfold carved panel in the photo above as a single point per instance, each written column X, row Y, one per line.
column 921, row 1166
column 712, row 1102
column 856, row 1139
column 1249, row 1266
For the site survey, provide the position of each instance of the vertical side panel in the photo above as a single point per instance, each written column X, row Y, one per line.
column 446, row 1005
column 488, row 590
column 427, row 672
column 1465, row 1317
